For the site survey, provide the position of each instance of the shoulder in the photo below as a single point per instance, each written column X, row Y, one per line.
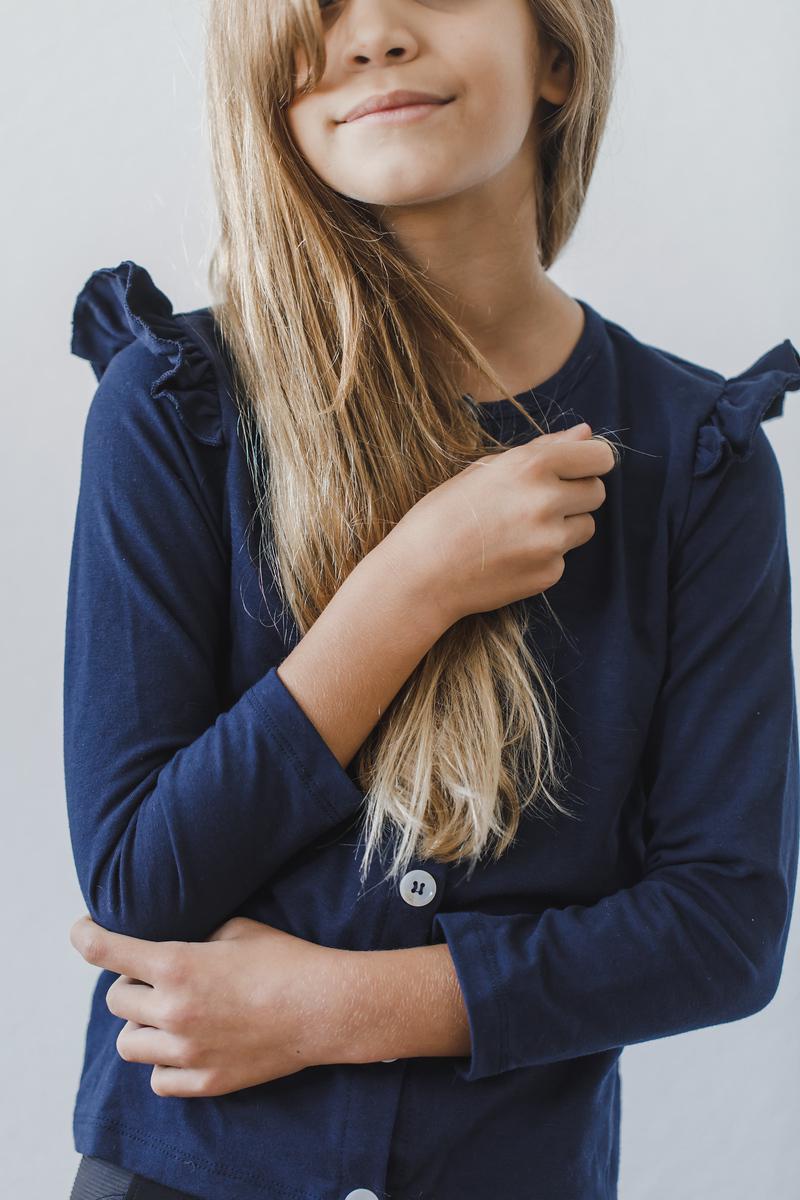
column 705, row 419
column 691, row 438
column 145, row 356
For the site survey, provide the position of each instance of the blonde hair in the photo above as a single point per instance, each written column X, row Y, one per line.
column 350, row 415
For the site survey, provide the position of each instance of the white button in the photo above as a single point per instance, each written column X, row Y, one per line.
column 418, row 887
column 361, row 1194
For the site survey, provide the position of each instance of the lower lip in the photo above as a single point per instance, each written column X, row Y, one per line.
column 397, row 116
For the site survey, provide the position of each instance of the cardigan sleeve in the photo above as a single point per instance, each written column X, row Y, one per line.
column 178, row 811
column 700, row 939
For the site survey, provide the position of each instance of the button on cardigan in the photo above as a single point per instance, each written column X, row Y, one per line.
column 197, row 788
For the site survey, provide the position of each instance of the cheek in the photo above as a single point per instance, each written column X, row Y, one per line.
column 315, row 137
column 503, row 85
column 305, row 127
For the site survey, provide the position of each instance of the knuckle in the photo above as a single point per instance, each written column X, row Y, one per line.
column 174, row 966
column 185, row 1054
column 545, row 503
column 539, row 464
column 589, row 526
column 554, row 570
column 549, row 529
column 565, row 531
column 91, row 948
column 208, row 1083
column 177, row 1012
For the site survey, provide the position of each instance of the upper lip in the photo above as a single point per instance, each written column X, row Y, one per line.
column 395, row 99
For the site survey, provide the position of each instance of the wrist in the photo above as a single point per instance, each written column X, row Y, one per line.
column 405, row 566
column 352, row 1009
column 333, row 1018
column 380, row 1005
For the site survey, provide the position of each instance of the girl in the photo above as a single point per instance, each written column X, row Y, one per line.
column 349, row 558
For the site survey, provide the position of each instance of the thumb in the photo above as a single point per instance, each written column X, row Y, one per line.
column 575, row 431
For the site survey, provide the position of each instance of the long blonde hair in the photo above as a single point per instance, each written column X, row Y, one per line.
column 350, row 415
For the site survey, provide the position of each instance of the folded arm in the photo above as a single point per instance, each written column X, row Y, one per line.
column 179, row 811
column 700, row 940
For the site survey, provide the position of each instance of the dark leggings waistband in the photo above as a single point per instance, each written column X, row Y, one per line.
column 98, row 1179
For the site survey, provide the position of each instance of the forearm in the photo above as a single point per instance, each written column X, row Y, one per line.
column 363, row 647
column 384, row 1004
column 343, row 673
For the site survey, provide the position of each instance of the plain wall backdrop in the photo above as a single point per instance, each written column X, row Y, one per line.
column 690, row 239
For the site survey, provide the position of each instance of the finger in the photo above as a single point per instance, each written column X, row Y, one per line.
column 132, row 1000
column 579, row 458
column 172, row 1081
column 583, row 430
column 583, row 496
column 143, row 1044
column 118, row 952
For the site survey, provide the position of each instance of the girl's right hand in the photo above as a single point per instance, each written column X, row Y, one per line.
column 498, row 530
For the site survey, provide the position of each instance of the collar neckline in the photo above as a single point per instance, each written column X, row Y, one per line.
column 562, row 381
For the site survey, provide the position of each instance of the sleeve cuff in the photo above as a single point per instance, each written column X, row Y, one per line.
column 476, row 967
column 312, row 759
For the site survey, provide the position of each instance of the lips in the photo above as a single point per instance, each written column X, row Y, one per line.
column 397, row 99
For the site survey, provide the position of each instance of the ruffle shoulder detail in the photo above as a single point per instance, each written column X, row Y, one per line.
column 118, row 305
column 755, row 395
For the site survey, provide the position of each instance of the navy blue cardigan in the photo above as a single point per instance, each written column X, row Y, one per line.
column 197, row 788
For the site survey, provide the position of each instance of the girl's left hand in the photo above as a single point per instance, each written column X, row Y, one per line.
column 213, row 1017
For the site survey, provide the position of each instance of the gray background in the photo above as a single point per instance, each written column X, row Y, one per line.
column 690, row 239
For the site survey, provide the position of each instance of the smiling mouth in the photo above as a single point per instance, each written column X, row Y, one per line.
column 399, row 114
